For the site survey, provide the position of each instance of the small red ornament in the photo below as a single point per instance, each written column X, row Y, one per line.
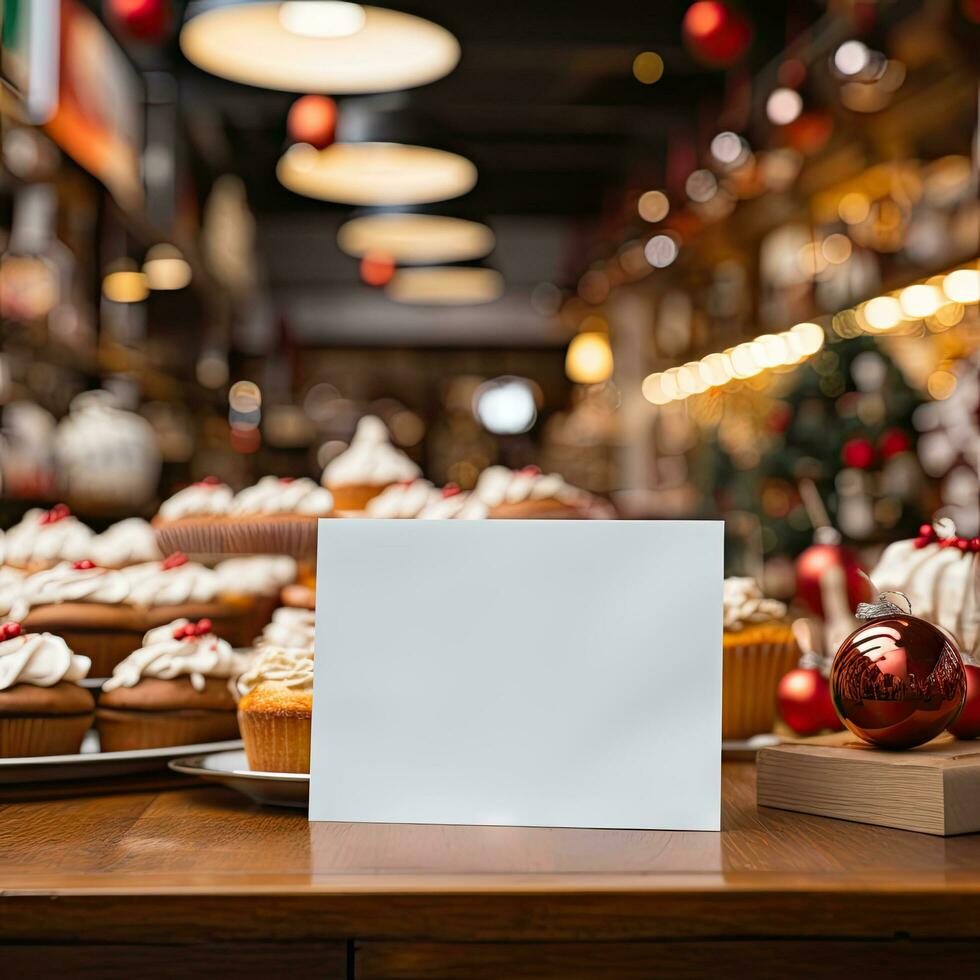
column 804, row 702
column 894, row 442
column 967, row 725
column 312, row 119
column 450, row 490
column 57, row 513
column 174, row 560
column 858, row 453
column 897, row 681
column 813, row 564
column 84, row 565
column 9, row 630
column 377, row 268
column 142, row 20
column 715, row 34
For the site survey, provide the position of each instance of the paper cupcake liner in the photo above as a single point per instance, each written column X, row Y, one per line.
column 123, row 731
column 290, row 534
column 751, row 675
column 42, row 735
column 275, row 743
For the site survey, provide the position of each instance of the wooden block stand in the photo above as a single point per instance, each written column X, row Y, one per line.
column 931, row 789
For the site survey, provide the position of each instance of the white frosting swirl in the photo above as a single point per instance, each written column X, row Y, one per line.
column 500, row 485
column 370, row 459
column 255, row 574
column 66, row 583
column 12, row 603
column 150, row 584
column 289, row 627
column 943, row 585
column 422, row 500
column 125, row 543
column 458, row 506
column 272, row 495
column 164, row 656
column 197, row 500
column 288, row 667
column 38, row 540
column 744, row 603
column 42, row 659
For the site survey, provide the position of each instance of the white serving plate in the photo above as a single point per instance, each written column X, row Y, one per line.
column 230, row 768
column 91, row 763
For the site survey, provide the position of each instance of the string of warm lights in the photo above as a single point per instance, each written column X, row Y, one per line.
column 766, row 352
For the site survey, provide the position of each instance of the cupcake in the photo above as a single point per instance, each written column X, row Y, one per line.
column 369, row 465
column 45, row 537
column 174, row 690
column 43, row 711
column 184, row 520
column 127, row 542
column 252, row 584
column 759, row 648
column 529, row 493
column 276, row 710
column 12, row 604
column 291, row 628
column 421, row 500
column 104, row 612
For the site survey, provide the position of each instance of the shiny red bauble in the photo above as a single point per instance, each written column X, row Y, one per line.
column 898, row 681
column 804, row 702
column 967, row 725
column 814, row 563
column 312, row 119
column 143, row 20
column 716, row 34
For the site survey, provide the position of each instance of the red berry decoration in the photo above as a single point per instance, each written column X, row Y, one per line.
column 450, row 490
column 897, row 681
column 208, row 481
column 84, row 565
column 142, row 20
column 57, row 513
column 203, row 627
column 9, row 630
column 967, row 725
column 175, row 560
column 716, row 34
column 804, row 702
column 530, row 470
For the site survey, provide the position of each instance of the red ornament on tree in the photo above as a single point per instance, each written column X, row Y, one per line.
column 312, row 119
column 897, row 681
column 716, row 34
column 858, row 453
column 804, row 701
column 893, row 442
column 812, row 565
column 142, row 20
column 967, row 725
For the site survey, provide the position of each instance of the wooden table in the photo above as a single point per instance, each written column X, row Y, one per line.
column 197, row 880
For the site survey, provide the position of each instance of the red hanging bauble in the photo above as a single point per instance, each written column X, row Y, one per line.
column 142, row 20
column 858, row 453
column 716, row 34
column 804, row 702
column 897, row 681
column 312, row 119
column 968, row 723
column 377, row 268
column 813, row 563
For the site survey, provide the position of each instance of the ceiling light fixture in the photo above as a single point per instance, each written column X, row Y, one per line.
column 322, row 18
column 415, row 239
column 450, row 285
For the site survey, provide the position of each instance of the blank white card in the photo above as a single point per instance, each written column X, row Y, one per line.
column 536, row 673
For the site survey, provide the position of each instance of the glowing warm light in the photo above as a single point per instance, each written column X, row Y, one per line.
column 589, row 358
column 322, row 18
column 728, row 148
column 653, row 206
column 660, row 251
column 424, row 239
column 668, row 384
column 701, row 186
column 744, row 363
column 811, row 337
column 505, row 405
column 851, row 58
column 920, row 301
column 774, row 350
column 716, row 369
column 593, row 286
column 448, row 285
column 165, row 268
column 318, row 47
column 244, row 397
column 853, row 208
column 941, row 384
column 836, row 248
column 673, row 376
column 375, row 173
column 689, row 378
column 963, row 286
column 648, row 67
column 377, row 267
column 653, row 391
column 882, row 313
column 783, row 106
column 125, row 286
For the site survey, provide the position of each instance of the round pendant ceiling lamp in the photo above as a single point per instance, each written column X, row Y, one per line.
column 317, row 46
column 447, row 285
column 383, row 155
column 415, row 237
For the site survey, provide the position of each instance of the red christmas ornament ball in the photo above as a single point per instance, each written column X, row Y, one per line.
column 967, row 725
column 716, row 34
column 804, row 702
column 312, row 119
column 893, row 442
column 814, row 562
column 858, row 453
column 898, row 681
column 144, row 20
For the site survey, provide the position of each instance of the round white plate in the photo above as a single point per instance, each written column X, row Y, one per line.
column 231, row 770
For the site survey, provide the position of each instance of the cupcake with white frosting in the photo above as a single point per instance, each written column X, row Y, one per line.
column 293, row 628
column 758, row 649
column 530, row 494
column 252, row 584
column 421, row 500
column 127, row 542
column 176, row 689
column 45, row 537
column 369, row 465
column 43, row 710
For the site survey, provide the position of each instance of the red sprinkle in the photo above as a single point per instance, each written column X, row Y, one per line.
column 9, row 630
column 927, row 531
column 175, row 560
column 84, row 565
column 450, row 490
column 208, row 481
column 975, row 544
column 57, row 513
column 204, row 627
column 286, row 479
column 531, row 470
column 191, row 630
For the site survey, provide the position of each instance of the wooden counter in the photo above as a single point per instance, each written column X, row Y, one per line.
column 197, row 880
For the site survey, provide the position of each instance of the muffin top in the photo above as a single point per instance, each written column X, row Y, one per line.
column 279, row 667
column 290, row 627
column 500, row 485
column 255, row 574
column 283, row 495
column 179, row 649
column 47, row 536
column 42, row 659
column 744, row 605
column 125, row 543
column 370, row 459
column 78, row 581
column 207, row 497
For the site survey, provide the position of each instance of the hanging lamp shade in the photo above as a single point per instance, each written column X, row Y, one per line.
column 446, row 285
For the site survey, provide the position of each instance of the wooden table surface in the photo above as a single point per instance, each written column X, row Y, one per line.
column 200, row 865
